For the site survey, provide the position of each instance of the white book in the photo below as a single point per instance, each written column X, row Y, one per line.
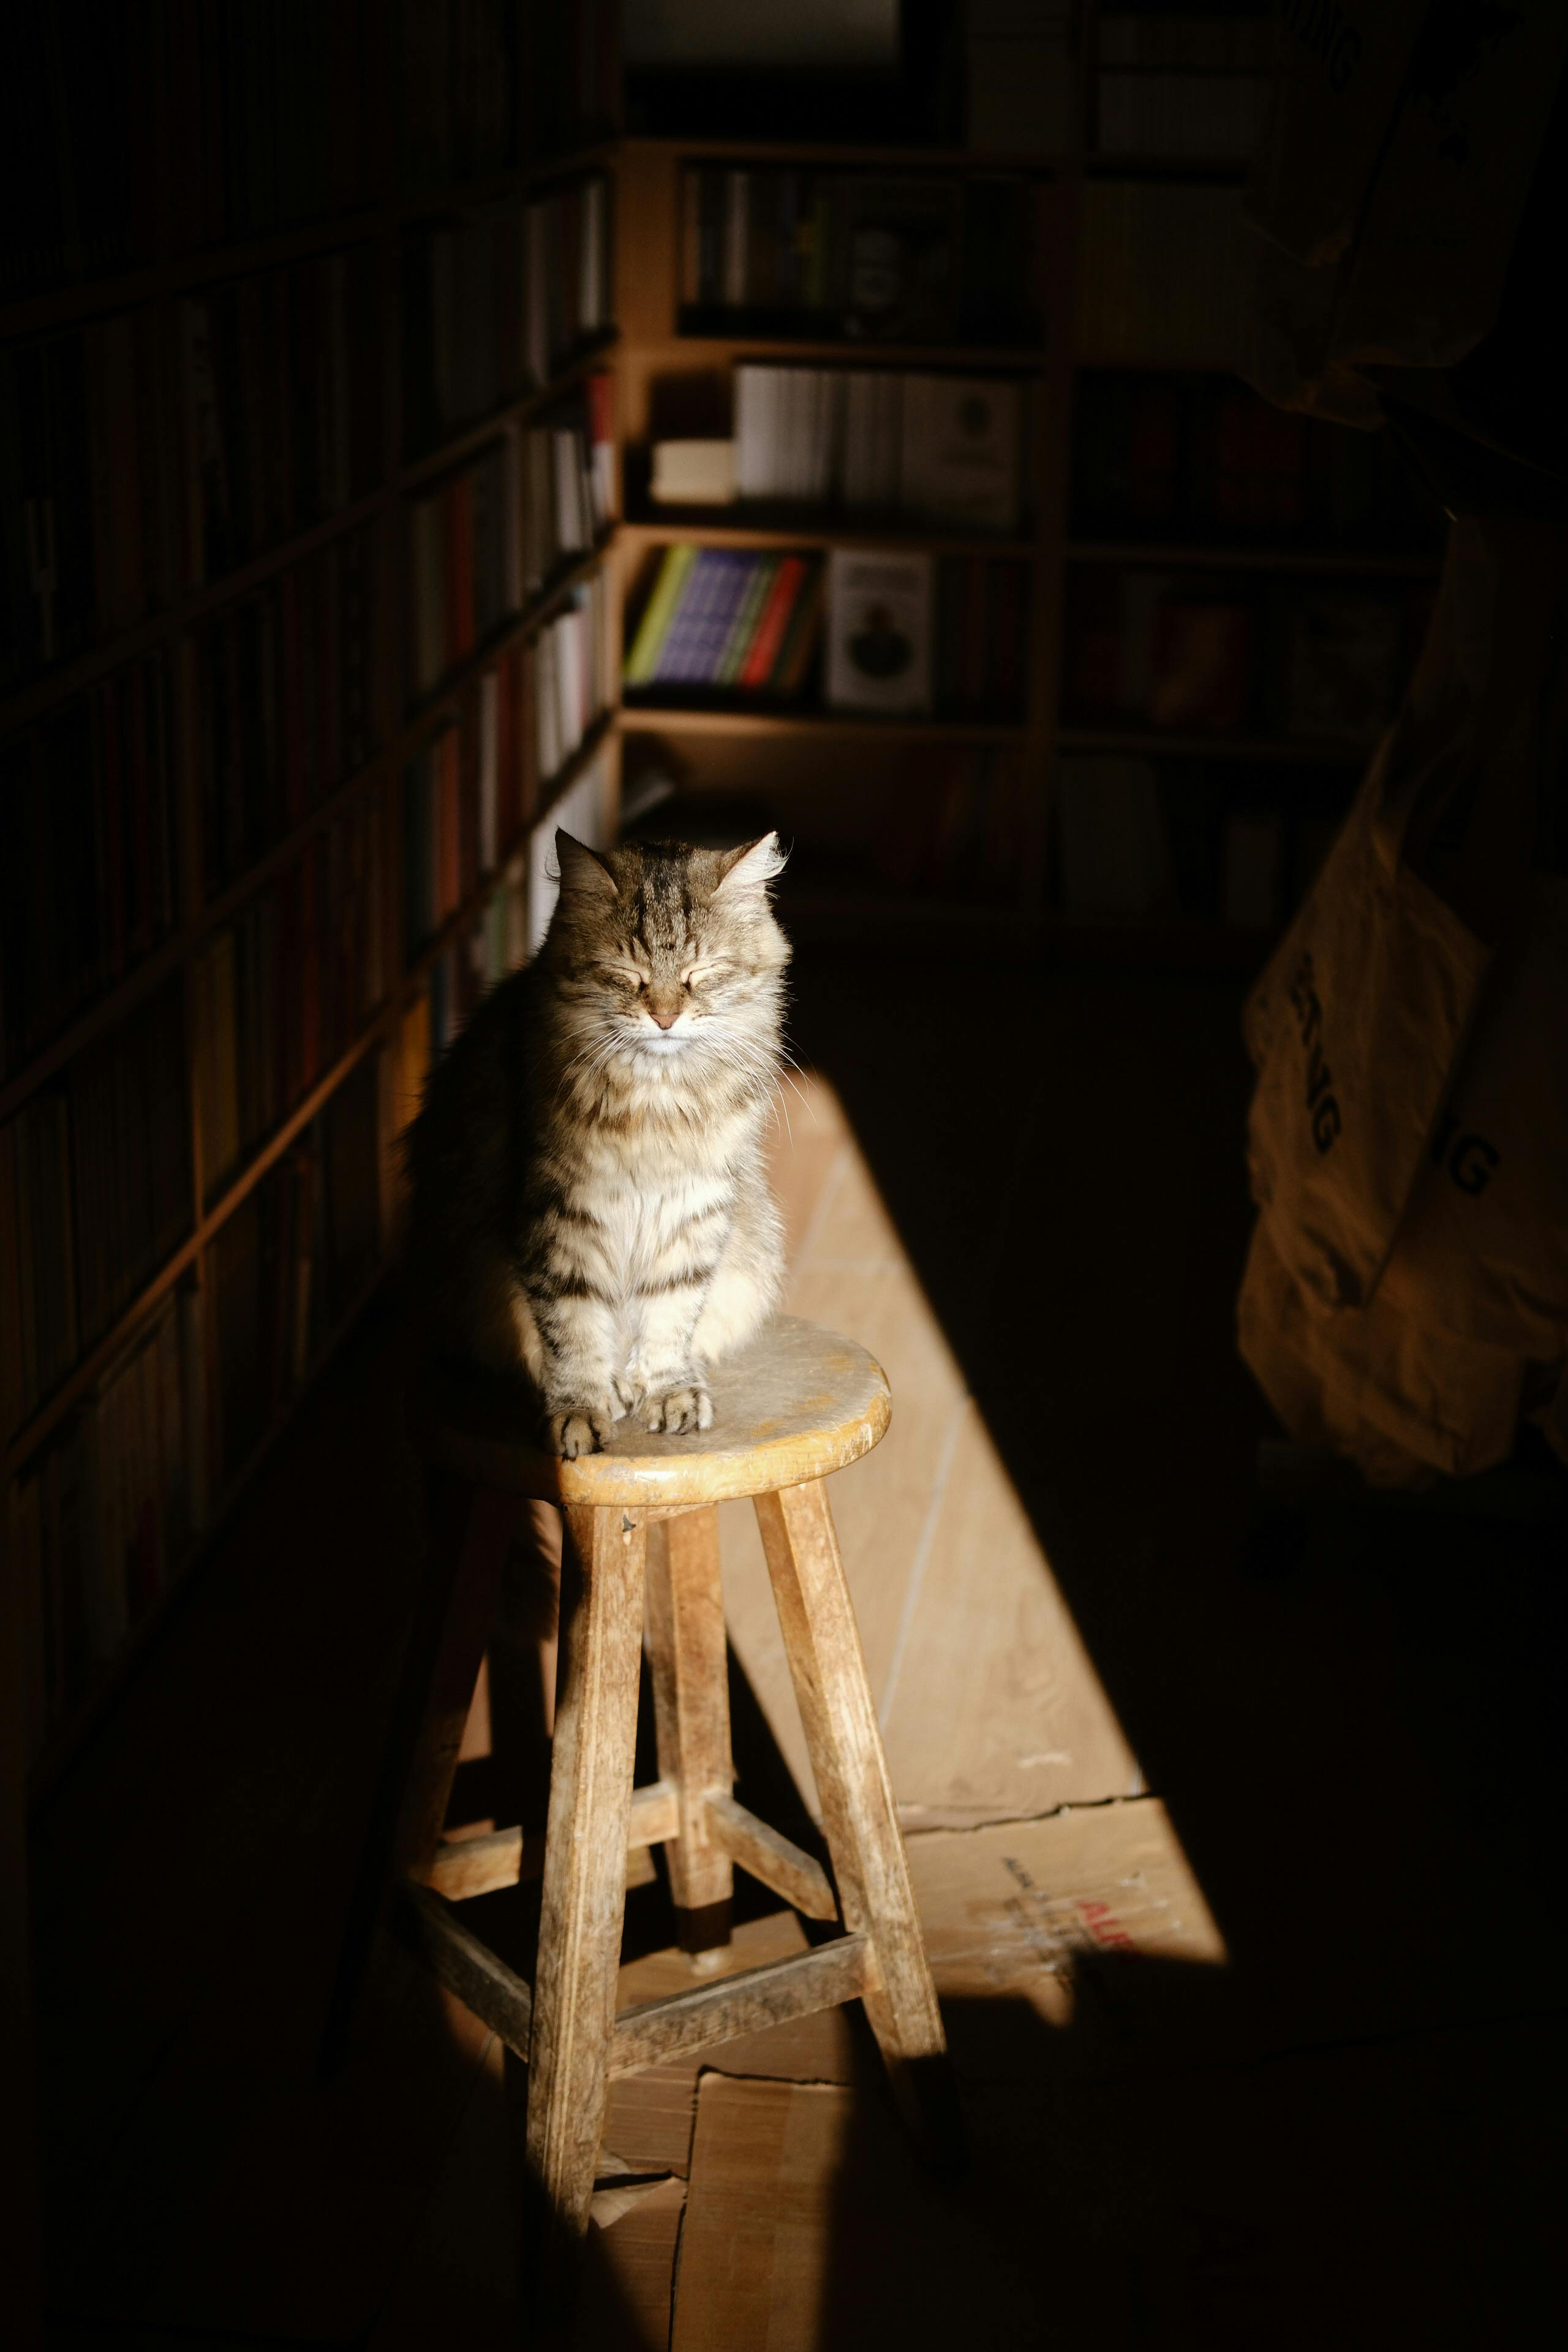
column 748, row 441
column 826, row 384
column 547, row 706
column 961, row 451
column 490, row 767
column 571, row 533
column 569, row 679
column 1111, row 837
column 879, row 631
column 857, row 457
column 888, row 481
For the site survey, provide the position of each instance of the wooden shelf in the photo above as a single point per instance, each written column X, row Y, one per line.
column 1381, row 563
column 968, row 359
column 838, row 155
column 647, row 719
column 674, row 530
column 1167, row 745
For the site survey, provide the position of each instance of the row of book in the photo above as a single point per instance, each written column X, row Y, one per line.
column 1200, row 115
column 1164, row 273
column 1201, row 455
column 508, row 929
column 87, row 867
column 497, row 300
column 95, row 1192
column 102, row 1520
column 459, row 64
column 934, row 449
column 961, row 828
column 282, row 700
column 465, row 561
column 1214, row 654
column 571, row 675
column 167, row 129
column 284, row 404
column 290, row 1262
column 285, row 988
column 911, row 259
column 86, row 454
column 569, row 480
column 1182, row 82
column 728, row 620
column 905, row 634
column 465, row 795
column 1136, row 838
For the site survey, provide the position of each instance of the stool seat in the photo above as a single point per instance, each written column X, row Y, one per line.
column 796, row 1404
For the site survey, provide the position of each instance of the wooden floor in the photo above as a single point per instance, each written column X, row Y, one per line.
column 1236, row 1841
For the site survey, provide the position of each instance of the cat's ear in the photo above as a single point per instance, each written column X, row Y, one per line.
column 582, row 870
column 747, row 871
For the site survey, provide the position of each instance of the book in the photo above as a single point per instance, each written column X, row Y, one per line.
column 88, row 878
column 465, row 564
column 1112, row 846
column 873, row 255
column 961, row 452
column 282, row 404
column 284, row 990
column 281, row 701
column 641, row 660
column 1163, row 274
column 879, row 620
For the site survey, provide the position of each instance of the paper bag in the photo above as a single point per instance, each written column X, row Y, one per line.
column 1356, row 1027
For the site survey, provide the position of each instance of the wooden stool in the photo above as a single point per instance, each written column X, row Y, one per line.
column 643, row 1531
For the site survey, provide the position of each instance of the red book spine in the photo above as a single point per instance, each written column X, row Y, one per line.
column 774, row 621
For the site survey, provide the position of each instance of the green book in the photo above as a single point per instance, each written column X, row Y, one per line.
column 743, row 628
column 643, row 660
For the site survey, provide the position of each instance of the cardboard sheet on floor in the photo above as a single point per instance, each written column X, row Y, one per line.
column 1036, row 1910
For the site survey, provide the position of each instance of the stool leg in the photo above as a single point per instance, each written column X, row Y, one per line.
column 468, row 1531
column 822, row 1640
column 684, row 1631
column 585, row 1886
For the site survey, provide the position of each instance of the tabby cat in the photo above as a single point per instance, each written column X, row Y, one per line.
column 590, row 1202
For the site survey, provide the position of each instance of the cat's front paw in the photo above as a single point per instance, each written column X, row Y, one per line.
column 580, row 1429
column 678, row 1411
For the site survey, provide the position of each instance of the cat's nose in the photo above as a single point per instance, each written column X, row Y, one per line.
column 665, row 1020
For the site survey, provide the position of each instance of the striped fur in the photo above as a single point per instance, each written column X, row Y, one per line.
column 590, row 1203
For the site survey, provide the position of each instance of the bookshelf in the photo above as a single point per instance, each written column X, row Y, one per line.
column 1279, row 545
column 355, row 587
column 834, row 777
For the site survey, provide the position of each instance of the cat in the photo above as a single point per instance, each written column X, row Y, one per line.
column 590, row 1202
